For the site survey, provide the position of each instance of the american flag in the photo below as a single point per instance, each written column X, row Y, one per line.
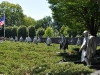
column 2, row 21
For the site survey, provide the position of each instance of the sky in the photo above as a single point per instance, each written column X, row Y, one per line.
column 36, row 9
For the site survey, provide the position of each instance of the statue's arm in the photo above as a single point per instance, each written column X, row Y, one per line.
column 83, row 46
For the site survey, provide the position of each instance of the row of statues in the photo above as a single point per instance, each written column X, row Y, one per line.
column 87, row 49
column 27, row 39
column 37, row 39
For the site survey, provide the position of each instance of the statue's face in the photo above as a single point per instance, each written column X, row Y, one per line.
column 85, row 34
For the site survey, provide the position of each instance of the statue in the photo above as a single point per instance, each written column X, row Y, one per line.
column 39, row 40
column 88, row 48
column 28, row 39
column 21, row 39
column 16, row 38
column 63, row 43
column 48, row 41
column 35, row 40
column 11, row 39
column 78, row 41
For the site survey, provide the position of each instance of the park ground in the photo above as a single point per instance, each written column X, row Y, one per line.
column 21, row 58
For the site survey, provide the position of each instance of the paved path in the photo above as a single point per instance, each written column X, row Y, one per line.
column 97, row 72
column 97, row 68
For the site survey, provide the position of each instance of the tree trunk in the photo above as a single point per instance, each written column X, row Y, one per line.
column 97, row 1
column 93, row 33
column 92, row 29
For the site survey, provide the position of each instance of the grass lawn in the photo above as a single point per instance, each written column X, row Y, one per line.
column 20, row 58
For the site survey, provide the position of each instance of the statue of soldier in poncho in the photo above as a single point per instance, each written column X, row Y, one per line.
column 48, row 41
column 35, row 40
column 29, row 39
column 88, row 48
column 11, row 39
column 78, row 41
column 16, row 38
column 63, row 43
column 21, row 39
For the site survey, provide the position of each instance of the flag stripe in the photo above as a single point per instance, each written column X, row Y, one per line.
column 2, row 21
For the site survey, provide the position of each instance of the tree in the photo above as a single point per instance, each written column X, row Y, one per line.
column 64, row 30
column 44, row 23
column 97, row 1
column 13, row 12
column 40, row 32
column 22, row 31
column 85, row 12
column 14, row 31
column 14, row 15
column 1, row 32
column 29, row 21
column 49, row 32
column 8, row 32
column 31, row 31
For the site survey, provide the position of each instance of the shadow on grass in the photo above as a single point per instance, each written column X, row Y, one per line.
column 97, row 67
column 96, row 61
column 76, row 58
column 76, row 49
column 69, row 58
column 98, row 52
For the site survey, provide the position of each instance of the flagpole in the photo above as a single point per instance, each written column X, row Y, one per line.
column 4, row 19
column 4, row 23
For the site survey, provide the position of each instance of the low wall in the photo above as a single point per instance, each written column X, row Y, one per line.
column 57, row 40
column 72, row 41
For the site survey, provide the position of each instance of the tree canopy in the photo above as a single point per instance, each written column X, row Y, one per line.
column 70, row 12
column 14, row 15
column 44, row 23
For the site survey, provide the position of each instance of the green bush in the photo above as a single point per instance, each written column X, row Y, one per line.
column 40, row 32
column 8, row 32
column 62, row 69
column 31, row 31
column 14, row 31
column 1, row 31
column 22, row 31
column 49, row 32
